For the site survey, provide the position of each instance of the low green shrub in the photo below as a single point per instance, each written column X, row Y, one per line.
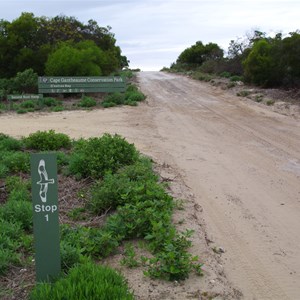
column 87, row 281
column 236, row 78
column 57, row 108
column 108, row 104
column 16, row 183
column 28, row 104
column 134, row 96
column 50, row 102
column 116, row 98
column 124, row 187
column 18, row 211
column 96, row 156
column 225, row 74
column 69, row 255
column 22, row 111
column 16, row 161
column 87, row 102
column 89, row 241
column 270, row 102
column 47, row 141
column 10, row 234
column 9, row 143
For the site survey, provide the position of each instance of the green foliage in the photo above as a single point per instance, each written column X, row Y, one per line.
column 9, row 241
column 197, row 54
column 96, row 156
column 87, row 102
column 15, row 161
column 29, row 41
column 129, row 259
column 58, row 108
column 89, row 241
column 18, row 211
column 28, row 104
column 270, row 102
column 9, row 144
column 69, row 255
column 127, row 185
column 93, row 282
column 174, row 262
column 26, row 82
column 236, row 78
column 50, row 102
column 243, row 93
column 47, row 140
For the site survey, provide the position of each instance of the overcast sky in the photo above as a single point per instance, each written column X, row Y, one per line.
column 152, row 33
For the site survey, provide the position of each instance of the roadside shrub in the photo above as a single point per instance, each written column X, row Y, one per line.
column 108, row 104
column 47, row 140
column 134, row 96
column 116, row 98
column 93, row 282
column 96, row 156
column 28, row 104
column 125, row 186
column 57, row 108
column 236, row 78
column 49, row 101
column 270, row 102
column 87, row 102
column 243, row 93
column 225, row 74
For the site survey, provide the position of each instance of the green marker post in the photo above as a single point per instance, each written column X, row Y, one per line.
column 45, row 216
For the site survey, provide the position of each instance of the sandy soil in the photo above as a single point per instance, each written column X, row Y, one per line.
column 237, row 164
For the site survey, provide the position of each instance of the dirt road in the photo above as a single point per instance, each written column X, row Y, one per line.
column 240, row 161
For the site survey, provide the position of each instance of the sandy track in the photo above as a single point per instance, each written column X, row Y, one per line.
column 240, row 161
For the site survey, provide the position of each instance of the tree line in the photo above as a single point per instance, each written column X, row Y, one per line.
column 57, row 46
column 261, row 60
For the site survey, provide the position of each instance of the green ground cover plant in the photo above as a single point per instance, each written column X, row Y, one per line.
column 123, row 190
column 93, row 282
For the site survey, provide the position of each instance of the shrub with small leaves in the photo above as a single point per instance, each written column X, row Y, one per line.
column 47, row 141
column 87, row 102
column 96, row 156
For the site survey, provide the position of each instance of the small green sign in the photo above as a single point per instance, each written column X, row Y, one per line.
column 25, row 97
column 45, row 216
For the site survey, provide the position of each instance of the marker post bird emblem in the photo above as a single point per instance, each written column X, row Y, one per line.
column 44, row 180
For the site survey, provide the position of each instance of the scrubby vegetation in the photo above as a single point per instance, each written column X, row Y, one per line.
column 122, row 190
column 257, row 59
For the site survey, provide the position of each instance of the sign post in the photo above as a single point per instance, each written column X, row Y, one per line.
column 45, row 216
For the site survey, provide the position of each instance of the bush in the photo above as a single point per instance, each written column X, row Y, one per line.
column 123, row 187
column 225, row 74
column 96, row 156
column 93, row 282
column 116, row 98
column 135, row 96
column 47, row 140
column 16, row 183
column 69, row 255
column 26, row 81
column 16, row 161
column 9, row 144
column 18, row 211
column 236, row 78
column 49, row 102
column 87, row 102
column 9, row 240
column 58, row 108
column 28, row 104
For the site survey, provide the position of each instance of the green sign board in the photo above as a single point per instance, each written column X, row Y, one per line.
column 25, row 97
column 45, row 216
column 81, row 84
